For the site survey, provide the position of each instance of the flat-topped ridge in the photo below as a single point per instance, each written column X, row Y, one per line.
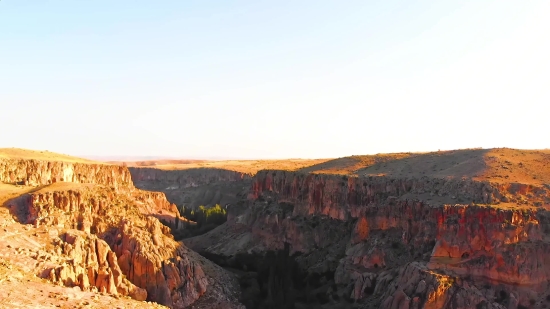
column 242, row 166
column 35, row 168
column 500, row 165
column 45, row 155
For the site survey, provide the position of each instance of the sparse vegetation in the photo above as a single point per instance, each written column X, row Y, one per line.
column 200, row 221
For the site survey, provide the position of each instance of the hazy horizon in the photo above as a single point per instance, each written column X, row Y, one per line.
column 148, row 158
column 133, row 158
column 244, row 79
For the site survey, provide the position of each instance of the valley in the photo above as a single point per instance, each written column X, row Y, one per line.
column 452, row 229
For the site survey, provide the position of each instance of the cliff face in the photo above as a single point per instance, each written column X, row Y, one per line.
column 143, row 248
column 341, row 197
column 368, row 231
column 92, row 265
column 36, row 172
column 184, row 178
column 193, row 187
column 110, row 235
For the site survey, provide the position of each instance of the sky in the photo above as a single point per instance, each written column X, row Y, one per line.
column 273, row 79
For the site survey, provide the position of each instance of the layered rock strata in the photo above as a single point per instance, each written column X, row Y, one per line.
column 37, row 172
column 91, row 264
column 184, row 178
column 468, row 240
column 142, row 247
column 194, row 187
column 109, row 235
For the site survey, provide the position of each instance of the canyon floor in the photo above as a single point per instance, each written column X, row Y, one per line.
column 455, row 229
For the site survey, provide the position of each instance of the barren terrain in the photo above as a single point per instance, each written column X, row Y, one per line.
column 242, row 166
column 457, row 229
column 57, row 218
column 497, row 165
column 44, row 155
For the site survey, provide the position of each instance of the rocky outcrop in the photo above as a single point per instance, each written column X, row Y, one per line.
column 156, row 204
column 91, row 265
column 467, row 239
column 158, row 264
column 194, row 187
column 341, row 197
column 414, row 286
column 145, row 250
column 36, row 172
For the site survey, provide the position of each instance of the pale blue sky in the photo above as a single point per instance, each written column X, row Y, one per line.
column 273, row 79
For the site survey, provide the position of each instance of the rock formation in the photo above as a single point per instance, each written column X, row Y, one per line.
column 145, row 251
column 186, row 177
column 193, row 187
column 398, row 242
column 37, row 172
column 389, row 231
column 110, row 237
column 92, row 264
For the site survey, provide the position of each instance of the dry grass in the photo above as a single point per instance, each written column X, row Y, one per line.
column 350, row 165
column 243, row 166
column 25, row 154
column 8, row 192
column 65, row 186
column 498, row 165
column 502, row 165
column 150, row 163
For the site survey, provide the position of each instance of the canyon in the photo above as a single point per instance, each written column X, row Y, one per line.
column 84, row 225
column 459, row 229
column 452, row 229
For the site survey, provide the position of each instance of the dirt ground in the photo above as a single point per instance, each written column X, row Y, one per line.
column 243, row 166
column 501, row 165
column 25, row 154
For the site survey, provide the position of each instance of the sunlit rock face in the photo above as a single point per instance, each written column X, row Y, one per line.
column 400, row 243
column 109, row 232
column 145, row 261
column 37, row 172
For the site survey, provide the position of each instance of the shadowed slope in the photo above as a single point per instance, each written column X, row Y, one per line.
column 501, row 165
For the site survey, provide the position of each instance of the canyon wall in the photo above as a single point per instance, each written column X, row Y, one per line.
column 342, row 196
column 111, row 237
column 91, row 265
column 184, row 178
column 465, row 239
column 147, row 254
column 37, row 172
column 193, row 187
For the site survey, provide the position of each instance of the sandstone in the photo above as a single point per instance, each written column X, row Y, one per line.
column 386, row 223
column 135, row 257
column 38, row 172
column 111, row 241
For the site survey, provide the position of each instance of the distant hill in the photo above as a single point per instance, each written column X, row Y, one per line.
column 503, row 165
column 44, row 155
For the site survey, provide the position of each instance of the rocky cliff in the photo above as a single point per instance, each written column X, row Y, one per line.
column 193, row 187
column 141, row 246
column 106, row 235
column 91, row 265
column 186, row 177
column 39, row 172
column 341, row 196
column 467, row 240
